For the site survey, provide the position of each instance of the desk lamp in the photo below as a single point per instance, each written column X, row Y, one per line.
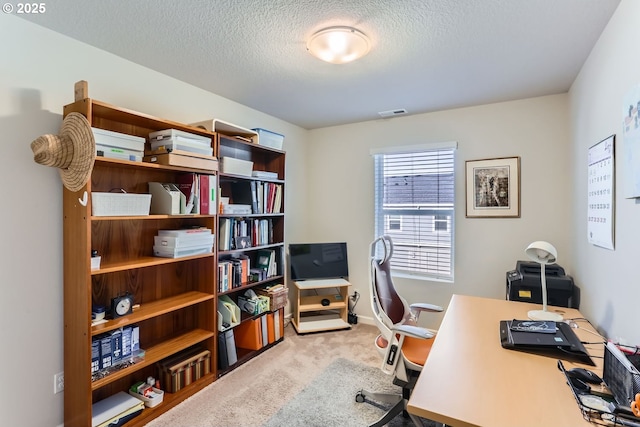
column 543, row 253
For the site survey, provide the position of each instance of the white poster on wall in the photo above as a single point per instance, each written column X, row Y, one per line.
column 601, row 186
column 631, row 142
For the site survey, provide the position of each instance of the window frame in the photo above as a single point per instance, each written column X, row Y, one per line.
column 418, row 214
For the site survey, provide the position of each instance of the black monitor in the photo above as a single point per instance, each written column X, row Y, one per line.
column 318, row 261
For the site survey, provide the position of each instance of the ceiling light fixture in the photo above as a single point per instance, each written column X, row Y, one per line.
column 338, row 45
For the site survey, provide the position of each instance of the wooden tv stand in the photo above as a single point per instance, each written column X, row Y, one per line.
column 309, row 315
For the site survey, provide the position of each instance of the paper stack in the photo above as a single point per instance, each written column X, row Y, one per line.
column 181, row 243
column 173, row 139
column 117, row 145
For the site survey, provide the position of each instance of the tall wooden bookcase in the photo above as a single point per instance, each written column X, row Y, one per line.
column 264, row 159
column 177, row 296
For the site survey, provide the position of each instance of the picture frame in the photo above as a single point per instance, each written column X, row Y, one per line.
column 493, row 188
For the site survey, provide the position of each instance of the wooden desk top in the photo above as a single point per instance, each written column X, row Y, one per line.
column 470, row 380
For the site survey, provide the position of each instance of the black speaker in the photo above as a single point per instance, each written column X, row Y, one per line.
column 325, row 302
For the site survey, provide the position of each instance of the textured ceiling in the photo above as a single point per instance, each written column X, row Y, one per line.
column 427, row 55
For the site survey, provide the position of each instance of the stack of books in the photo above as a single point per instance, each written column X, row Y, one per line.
column 117, row 145
column 181, row 243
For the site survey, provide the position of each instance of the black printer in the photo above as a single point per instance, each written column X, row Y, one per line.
column 523, row 284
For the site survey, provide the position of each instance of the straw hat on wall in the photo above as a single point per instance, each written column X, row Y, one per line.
column 73, row 151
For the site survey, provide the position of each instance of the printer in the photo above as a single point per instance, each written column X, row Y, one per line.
column 524, row 284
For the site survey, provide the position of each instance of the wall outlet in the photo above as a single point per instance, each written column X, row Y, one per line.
column 58, row 382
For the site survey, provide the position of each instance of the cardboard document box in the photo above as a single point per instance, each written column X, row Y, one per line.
column 184, row 159
column 166, row 199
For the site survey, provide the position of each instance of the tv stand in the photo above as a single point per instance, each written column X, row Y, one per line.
column 310, row 315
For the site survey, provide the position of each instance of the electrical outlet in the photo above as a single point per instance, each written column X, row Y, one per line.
column 58, row 382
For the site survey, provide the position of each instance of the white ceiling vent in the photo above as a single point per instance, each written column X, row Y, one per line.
column 392, row 113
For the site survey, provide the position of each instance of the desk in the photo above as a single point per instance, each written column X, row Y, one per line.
column 470, row 380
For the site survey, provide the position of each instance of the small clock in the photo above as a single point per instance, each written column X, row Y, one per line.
column 122, row 305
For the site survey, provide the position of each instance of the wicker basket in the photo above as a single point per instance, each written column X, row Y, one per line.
column 277, row 297
column 120, row 204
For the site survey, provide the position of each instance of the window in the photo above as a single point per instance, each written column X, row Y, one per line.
column 414, row 205
column 394, row 222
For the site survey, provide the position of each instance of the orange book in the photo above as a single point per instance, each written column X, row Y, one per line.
column 271, row 332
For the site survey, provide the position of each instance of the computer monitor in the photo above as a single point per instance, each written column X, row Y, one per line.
column 318, row 261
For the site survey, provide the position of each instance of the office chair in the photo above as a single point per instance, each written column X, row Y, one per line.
column 404, row 345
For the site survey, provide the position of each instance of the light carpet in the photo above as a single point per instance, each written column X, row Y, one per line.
column 252, row 394
column 330, row 399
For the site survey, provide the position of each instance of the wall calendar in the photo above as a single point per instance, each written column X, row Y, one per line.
column 601, row 197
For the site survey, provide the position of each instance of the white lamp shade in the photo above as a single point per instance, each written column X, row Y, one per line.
column 542, row 252
column 338, row 45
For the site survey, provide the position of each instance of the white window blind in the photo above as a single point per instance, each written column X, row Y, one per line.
column 415, row 188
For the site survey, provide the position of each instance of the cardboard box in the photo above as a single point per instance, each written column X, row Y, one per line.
column 184, row 159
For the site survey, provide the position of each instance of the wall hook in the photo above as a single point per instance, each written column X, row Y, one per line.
column 84, row 199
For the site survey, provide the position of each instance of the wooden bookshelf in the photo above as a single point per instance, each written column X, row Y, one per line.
column 176, row 296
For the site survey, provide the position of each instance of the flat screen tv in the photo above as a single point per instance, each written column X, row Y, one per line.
column 318, row 261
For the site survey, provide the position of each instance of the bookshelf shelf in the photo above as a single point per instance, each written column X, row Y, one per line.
column 155, row 354
column 144, row 262
column 153, row 309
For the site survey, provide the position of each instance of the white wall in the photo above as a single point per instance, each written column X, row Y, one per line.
column 611, row 294
column 38, row 69
column 341, row 190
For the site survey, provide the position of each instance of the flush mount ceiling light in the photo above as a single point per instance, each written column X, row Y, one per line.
column 338, row 45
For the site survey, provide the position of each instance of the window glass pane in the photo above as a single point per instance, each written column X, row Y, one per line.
column 414, row 205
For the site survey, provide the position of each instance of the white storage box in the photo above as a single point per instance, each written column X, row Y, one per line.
column 120, row 204
column 236, row 166
column 118, row 140
column 269, row 139
column 154, row 398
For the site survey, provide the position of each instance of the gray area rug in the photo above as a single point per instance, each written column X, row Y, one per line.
column 329, row 400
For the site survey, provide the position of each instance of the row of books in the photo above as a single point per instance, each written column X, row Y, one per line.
column 263, row 197
column 234, row 272
column 252, row 334
column 113, row 347
column 237, row 271
column 239, row 233
column 184, row 242
column 200, row 193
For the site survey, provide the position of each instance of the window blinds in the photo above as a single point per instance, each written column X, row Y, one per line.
column 414, row 205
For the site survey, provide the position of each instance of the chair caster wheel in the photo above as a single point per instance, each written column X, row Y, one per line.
column 359, row 397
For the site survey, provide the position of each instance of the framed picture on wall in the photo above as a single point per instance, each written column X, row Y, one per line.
column 493, row 188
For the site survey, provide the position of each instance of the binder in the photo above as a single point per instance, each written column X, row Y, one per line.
column 249, row 335
column 271, row 332
column 277, row 325
column 232, row 355
column 264, row 330
column 223, row 362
